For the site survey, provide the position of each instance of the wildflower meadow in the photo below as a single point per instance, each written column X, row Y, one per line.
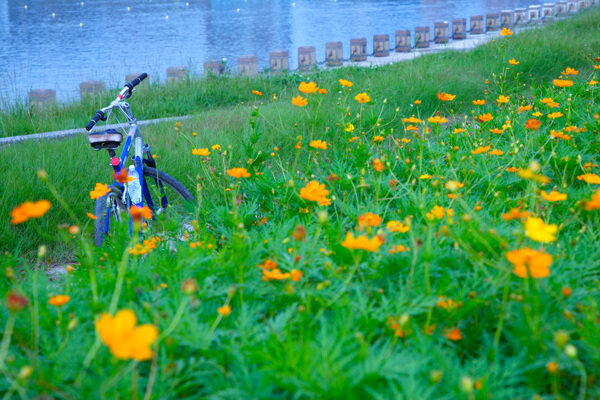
column 372, row 253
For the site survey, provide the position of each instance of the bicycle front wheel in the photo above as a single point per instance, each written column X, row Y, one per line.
column 170, row 201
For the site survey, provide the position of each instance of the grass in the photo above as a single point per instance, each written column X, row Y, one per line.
column 441, row 309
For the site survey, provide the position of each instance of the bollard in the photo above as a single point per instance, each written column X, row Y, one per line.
column 520, row 16
column 561, row 9
column 476, row 25
column 91, row 88
column 279, row 61
column 459, row 28
column 334, row 54
column 507, row 18
column 440, row 32
column 247, row 65
column 572, row 7
column 307, row 57
column 534, row 14
column 403, row 41
column 381, row 45
column 492, row 22
column 214, row 68
column 547, row 12
column 42, row 98
column 358, row 49
column 422, row 35
column 176, row 74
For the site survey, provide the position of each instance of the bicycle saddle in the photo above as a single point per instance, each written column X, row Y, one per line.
column 109, row 139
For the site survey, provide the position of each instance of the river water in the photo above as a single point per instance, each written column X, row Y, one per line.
column 59, row 43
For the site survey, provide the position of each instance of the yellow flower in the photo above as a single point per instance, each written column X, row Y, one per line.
column 29, row 210
column 425, row 176
column 59, row 300
column 502, row 99
column 562, row 83
column 536, row 229
column 554, row 196
column 437, row 120
column 505, row 32
column 216, row 147
column 529, row 262
column 308, row 88
column 378, row 165
column 201, row 152
column 397, row 226
column 411, row 120
column 453, row 186
column 299, row 101
column 524, row 108
column 459, row 130
column 124, row 340
column 570, row 71
column 224, row 310
column 589, row 178
column 315, row 191
column 555, row 115
column 592, row 82
column 368, row 219
column 344, row 82
column 238, row 173
column 318, row 144
column 479, row 102
column 362, row 243
column 445, row 96
column 99, row 191
column 362, row 98
column 349, row 127
column 436, row 212
column 512, row 61
column 496, row 152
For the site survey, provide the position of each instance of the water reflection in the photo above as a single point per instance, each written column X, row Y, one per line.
column 38, row 50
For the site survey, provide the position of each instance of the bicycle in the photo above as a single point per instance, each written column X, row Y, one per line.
column 166, row 194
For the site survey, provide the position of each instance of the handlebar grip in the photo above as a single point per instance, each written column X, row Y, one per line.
column 136, row 81
column 97, row 117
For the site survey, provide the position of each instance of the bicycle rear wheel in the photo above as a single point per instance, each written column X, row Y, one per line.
column 170, row 202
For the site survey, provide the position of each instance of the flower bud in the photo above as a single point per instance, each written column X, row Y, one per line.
column 15, row 302
column 571, row 351
column 189, row 287
column 466, row 384
column 561, row 338
column 322, row 217
column 42, row 174
column 42, row 251
column 25, row 372
column 436, row 375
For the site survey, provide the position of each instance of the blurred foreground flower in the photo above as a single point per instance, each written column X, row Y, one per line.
column 315, row 191
column 529, row 262
column 99, row 191
column 29, row 210
column 59, row 300
column 238, row 173
column 362, row 243
column 536, row 229
column 124, row 340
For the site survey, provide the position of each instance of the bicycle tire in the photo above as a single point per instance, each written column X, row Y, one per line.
column 101, row 208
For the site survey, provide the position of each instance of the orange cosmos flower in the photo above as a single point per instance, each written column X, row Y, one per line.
column 425, row 176
column 496, row 152
column 505, row 32
column 398, row 249
column 99, row 191
column 397, row 226
column 555, row 115
column 417, row 102
column 274, row 275
column 533, row 123
column 315, row 191
column 515, row 213
column 502, row 99
column 459, row 130
column 299, row 101
column 123, row 176
column 123, row 338
column 296, row 275
column 592, row 82
column 411, row 128
column 524, row 108
column 59, row 300
column 308, row 88
column 570, row 71
column 224, row 310
column 554, row 196
column 589, row 178
column 512, row 61
column 437, row 120
column 238, row 173
column 562, row 83
column 256, row 92
column 362, row 98
column 536, row 229
column 479, row 102
column 378, row 165
column 377, row 138
column 137, row 213
column 29, row 210
column 362, row 243
column 481, row 149
column 322, row 91
column 512, row 169
column 593, row 203
column 454, row 334
column 201, row 152
column 496, row 131
column 453, row 186
column 529, row 262
column 346, row 83
column 485, row 117
column 318, row 144
column 412, row 120
column 91, row 216
column 438, row 212
column 445, row 96
column 597, row 66
column 368, row 219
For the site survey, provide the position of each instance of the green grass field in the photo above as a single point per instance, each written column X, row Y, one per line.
column 431, row 249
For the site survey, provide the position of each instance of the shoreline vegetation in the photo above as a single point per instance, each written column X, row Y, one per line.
column 425, row 229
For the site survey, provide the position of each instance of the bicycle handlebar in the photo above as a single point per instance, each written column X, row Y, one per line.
column 125, row 93
column 97, row 117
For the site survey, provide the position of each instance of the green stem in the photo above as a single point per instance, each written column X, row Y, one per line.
column 8, row 329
